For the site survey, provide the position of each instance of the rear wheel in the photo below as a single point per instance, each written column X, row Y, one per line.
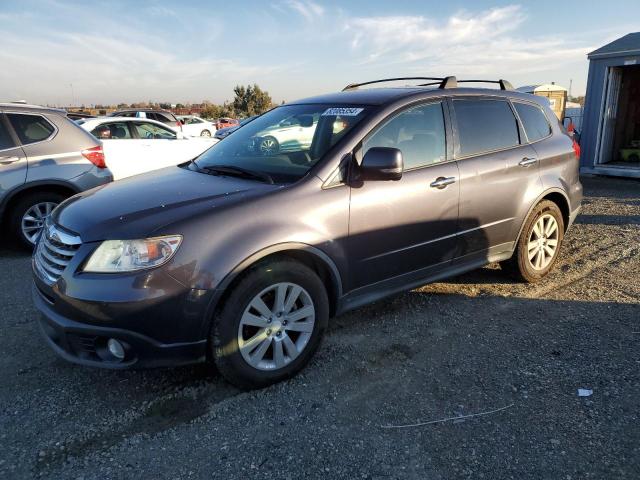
column 205, row 133
column 539, row 244
column 29, row 214
column 271, row 324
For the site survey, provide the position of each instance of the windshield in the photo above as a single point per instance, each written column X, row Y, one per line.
column 285, row 142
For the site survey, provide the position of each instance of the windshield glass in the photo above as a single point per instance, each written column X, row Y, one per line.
column 285, row 142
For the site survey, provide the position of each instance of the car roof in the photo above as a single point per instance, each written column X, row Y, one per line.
column 31, row 108
column 94, row 122
column 383, row 96
column 157, row 110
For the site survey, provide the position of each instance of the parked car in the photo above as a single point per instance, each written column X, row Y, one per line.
column 224, row 132
column 241, row 257
column 163, row 116
column 137, row 145
column 196, row 126
column 291, row 134
column 226, row 122
column 44, row 159
column 79, row 115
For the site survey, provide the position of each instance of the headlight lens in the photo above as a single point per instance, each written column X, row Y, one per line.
column 113, row 256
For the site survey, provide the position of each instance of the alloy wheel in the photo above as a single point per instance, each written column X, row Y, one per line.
column 268, row 146
column 34, row 218
column 543, row 242
column 276, row 326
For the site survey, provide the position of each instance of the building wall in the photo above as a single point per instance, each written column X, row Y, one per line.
column 598, row 70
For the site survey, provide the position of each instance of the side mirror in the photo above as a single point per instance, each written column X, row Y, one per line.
column 382, row 163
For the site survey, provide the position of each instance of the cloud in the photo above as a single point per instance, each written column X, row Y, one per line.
column 308, row 9
column 467, row 42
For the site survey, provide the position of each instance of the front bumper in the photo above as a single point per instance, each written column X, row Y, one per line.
column 87, row 344
column 159, row 321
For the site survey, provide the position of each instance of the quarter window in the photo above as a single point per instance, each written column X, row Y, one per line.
column 5, row 138
column 485, row 125
column 533, row 120
column 419, row 133
column 30, row 128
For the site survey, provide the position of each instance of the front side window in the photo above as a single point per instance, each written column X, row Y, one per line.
column 534, row 121
column 112, row 131
column 153, row 131
column 419, row 133
column 30, row 128
column 285, row 142
column 5, row 139
column 485, row 125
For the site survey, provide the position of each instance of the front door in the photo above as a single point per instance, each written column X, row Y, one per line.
column 399, row 227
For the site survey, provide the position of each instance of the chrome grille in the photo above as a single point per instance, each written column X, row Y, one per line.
column 54, row 252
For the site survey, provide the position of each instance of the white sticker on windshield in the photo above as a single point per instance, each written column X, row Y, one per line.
column 342, row 111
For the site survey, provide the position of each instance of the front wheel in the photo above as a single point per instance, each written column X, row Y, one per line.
column 205, row 133
column 539, row 244
column 270, row 325
column 269, row 146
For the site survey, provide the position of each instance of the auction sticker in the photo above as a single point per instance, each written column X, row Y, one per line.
column 342, row 112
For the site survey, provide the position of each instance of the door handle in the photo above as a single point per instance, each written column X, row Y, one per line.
column 442, row 182
column 527, row 162
column 8, row 160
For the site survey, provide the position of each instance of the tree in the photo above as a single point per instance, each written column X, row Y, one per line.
column 250, row 100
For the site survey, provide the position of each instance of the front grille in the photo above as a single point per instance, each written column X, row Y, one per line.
column 54, row 252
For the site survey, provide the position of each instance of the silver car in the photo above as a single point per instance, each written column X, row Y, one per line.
column 44, row 158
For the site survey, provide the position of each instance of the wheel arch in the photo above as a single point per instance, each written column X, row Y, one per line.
column 312, row 257
column 558, row 197
column 57, row 186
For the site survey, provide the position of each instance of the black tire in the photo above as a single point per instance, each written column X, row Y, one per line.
column 519, row 266
column 272, row 149
column 19, row 209
column 634, row 158
column 205, row 133
column 223, row 340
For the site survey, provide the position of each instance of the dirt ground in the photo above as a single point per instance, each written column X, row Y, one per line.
column 473, row 344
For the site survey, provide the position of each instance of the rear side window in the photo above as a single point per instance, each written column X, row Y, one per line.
column 112, row 131
column 30, row 128
column 485, row 125
column 160, row 117
column 533, row 120
column 418, row 133
column 5, row 139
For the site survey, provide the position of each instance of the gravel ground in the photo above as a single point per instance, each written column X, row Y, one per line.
column 473, row 344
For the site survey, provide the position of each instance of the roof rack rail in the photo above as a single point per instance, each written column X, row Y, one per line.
column 504, row 84
column 442, row 82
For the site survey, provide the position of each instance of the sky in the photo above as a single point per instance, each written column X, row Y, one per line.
column 60, row 52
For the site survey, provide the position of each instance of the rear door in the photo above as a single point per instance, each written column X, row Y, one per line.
column 13, row 161
column 407, row 226
column 498, row 175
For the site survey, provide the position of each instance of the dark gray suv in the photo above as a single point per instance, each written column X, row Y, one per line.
column 44, row 158
column 241, row 256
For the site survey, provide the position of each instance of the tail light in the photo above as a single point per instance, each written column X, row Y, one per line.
column 576, row 149
column 179, row 125
column 95, row 155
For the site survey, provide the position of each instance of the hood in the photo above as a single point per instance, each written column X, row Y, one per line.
column 138, row 206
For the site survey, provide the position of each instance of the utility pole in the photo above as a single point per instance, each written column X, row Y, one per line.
column 570, row 84
column 73, row 97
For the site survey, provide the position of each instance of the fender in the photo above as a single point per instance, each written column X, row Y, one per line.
column 259, row 255
column 536, row 202
column 37, row 183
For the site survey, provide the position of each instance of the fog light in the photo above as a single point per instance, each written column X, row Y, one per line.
column 115, row 348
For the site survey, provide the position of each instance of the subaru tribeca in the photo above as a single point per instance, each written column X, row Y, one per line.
column 241, row 256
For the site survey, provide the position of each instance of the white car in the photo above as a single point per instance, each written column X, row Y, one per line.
column 137, row 145
column 196, row 126
column 292, row 133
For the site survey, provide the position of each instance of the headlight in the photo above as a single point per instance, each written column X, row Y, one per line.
column 113, row 256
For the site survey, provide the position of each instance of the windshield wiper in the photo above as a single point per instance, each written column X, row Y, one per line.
column 234, row 171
